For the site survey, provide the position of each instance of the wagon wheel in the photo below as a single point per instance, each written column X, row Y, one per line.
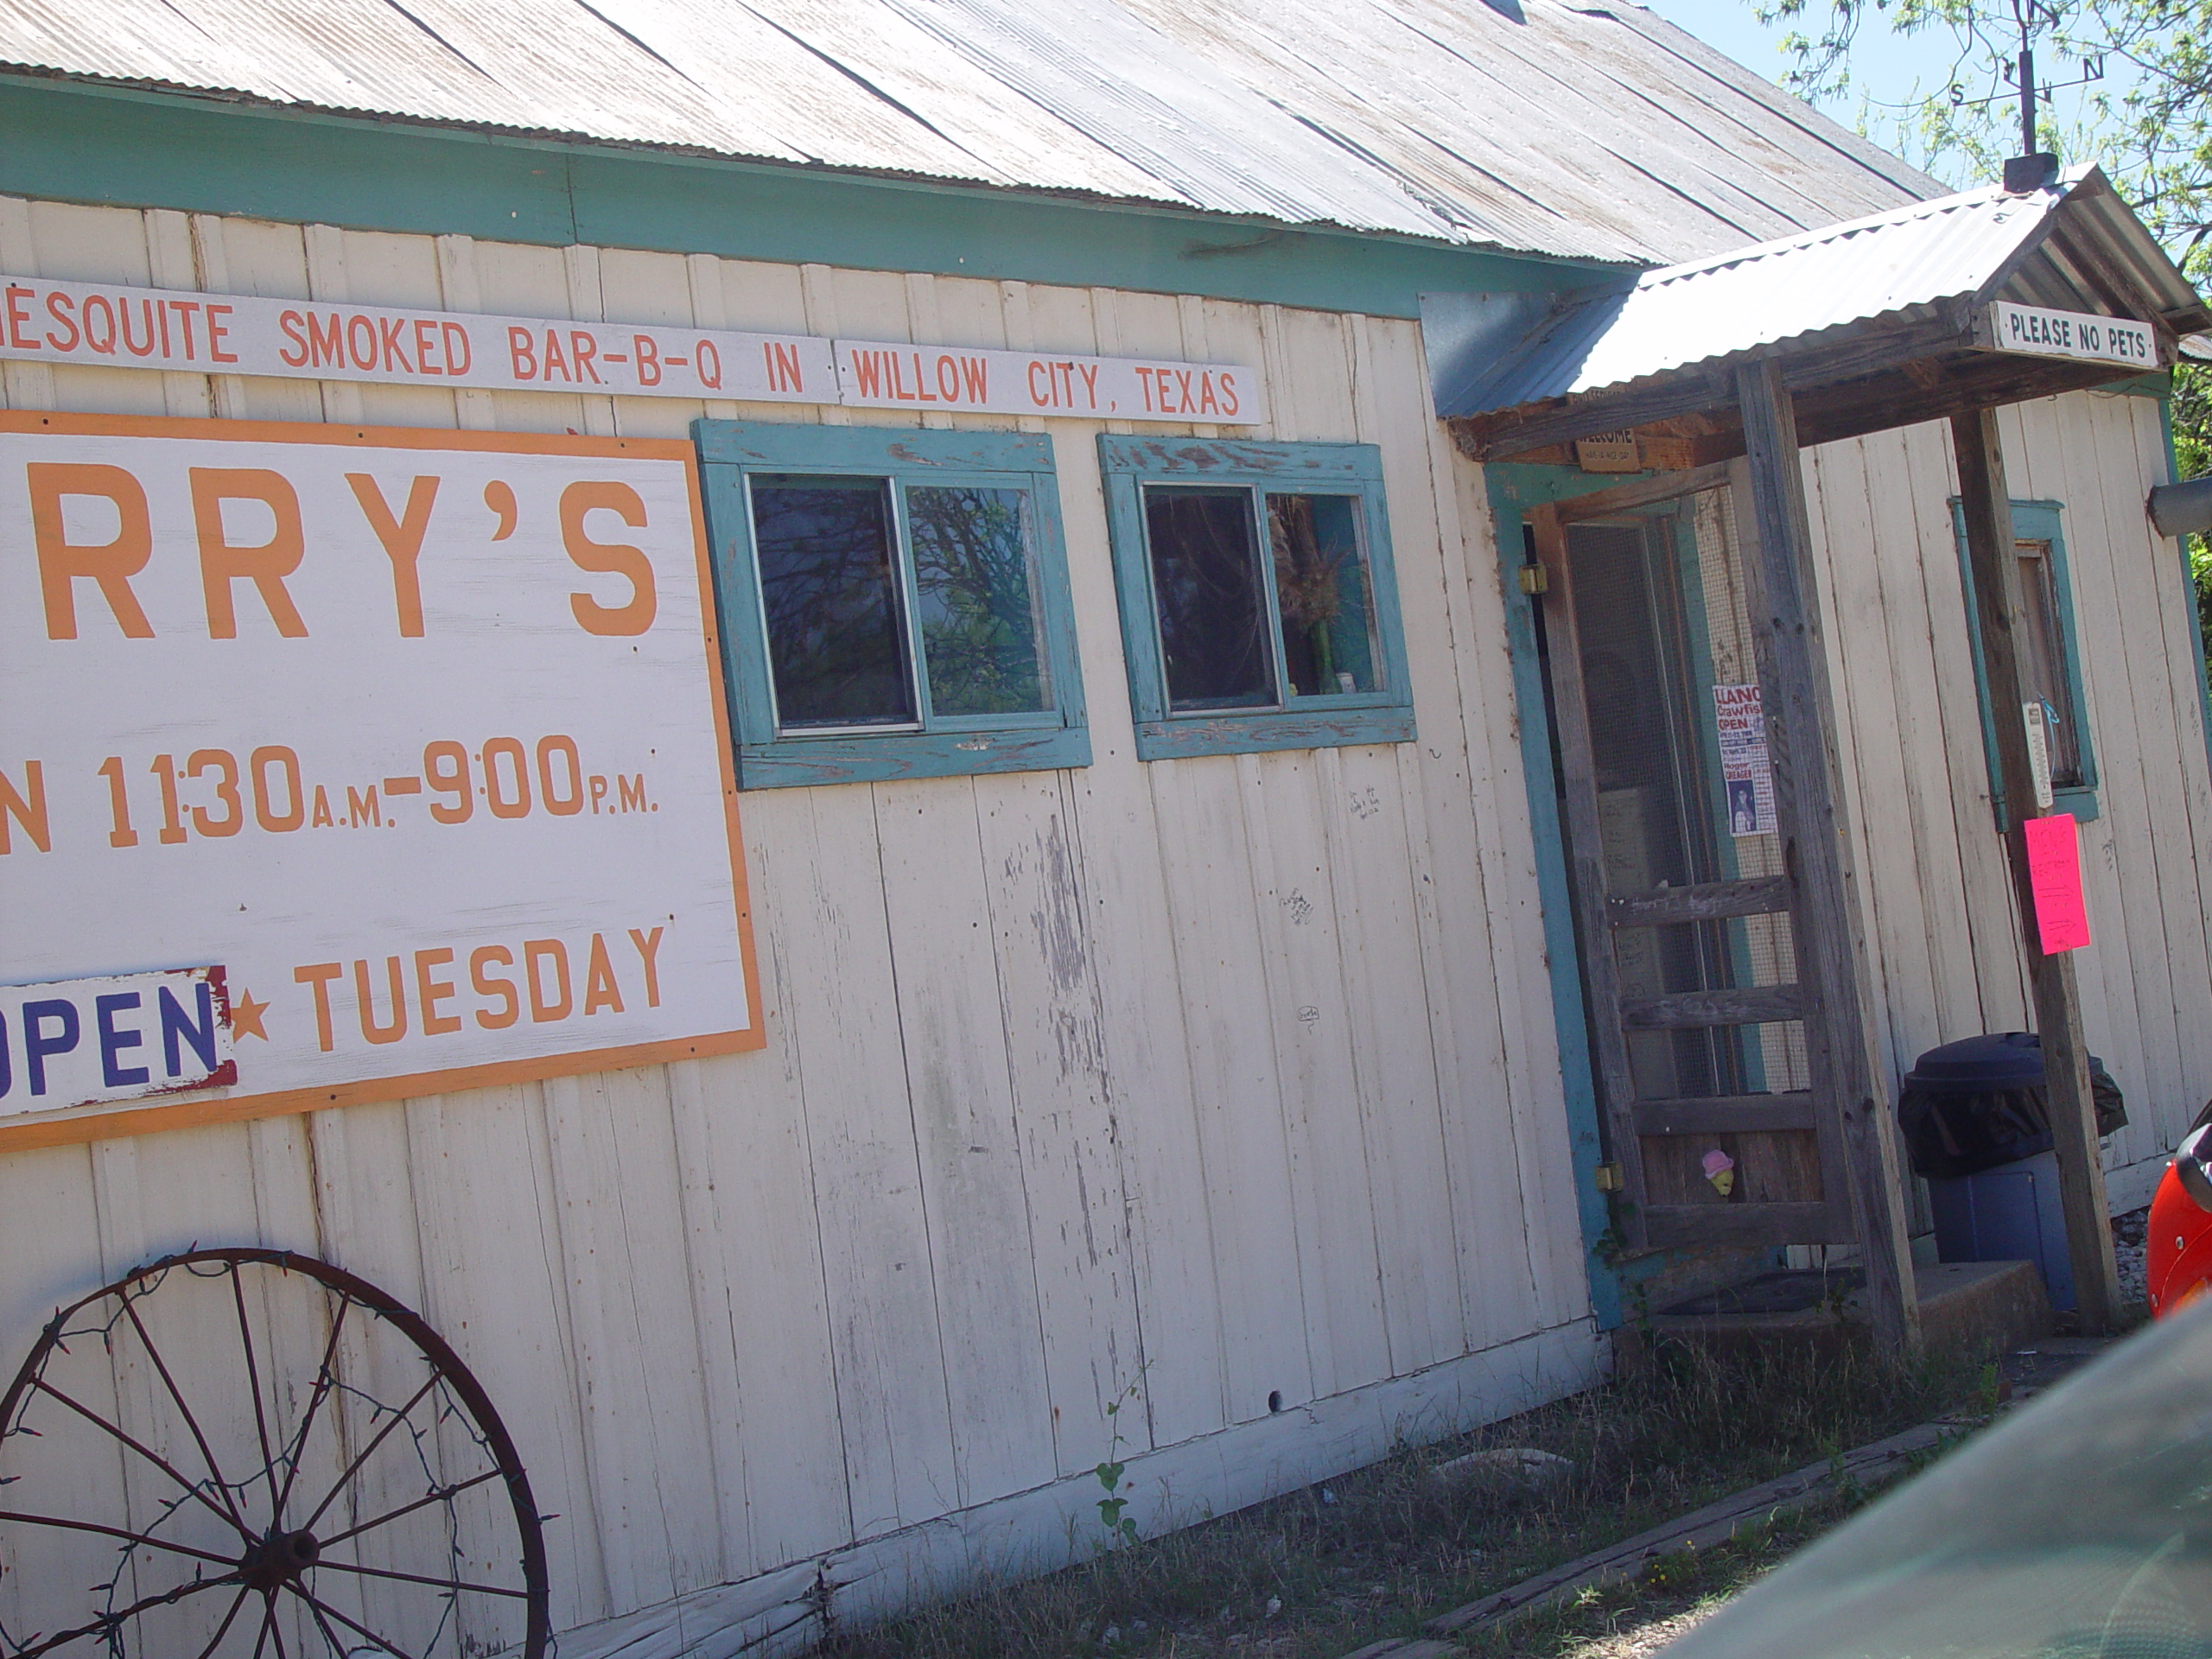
column 248, row 1454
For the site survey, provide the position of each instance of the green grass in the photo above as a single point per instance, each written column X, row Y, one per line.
column 1636, row 1615
column 1354, row 1560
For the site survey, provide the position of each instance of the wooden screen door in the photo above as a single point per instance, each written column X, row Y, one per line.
column 1718, row 1130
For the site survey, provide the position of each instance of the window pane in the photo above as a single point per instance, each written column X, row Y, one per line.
column 832, row 601
column 1322, row 589
column 2043, row 659
column 975, row 584
column 1207, row 578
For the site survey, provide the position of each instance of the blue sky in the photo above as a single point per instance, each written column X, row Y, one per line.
column 1884, row 65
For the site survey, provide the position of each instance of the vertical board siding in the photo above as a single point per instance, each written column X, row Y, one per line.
column 1207, row 1086
column 1179, row 1377
column 1943, row 924
column 648, row 1452
column 1056, row 1041
column 959, row 1094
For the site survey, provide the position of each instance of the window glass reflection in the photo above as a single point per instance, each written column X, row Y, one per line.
column 1207, row 583
column 975, row 588
column 1323, row 593
column 831, row 595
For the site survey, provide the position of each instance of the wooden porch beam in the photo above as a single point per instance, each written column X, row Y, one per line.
column 1642, row 492
column 1847, row 1067
column 1864, row 349
column 1988, row 508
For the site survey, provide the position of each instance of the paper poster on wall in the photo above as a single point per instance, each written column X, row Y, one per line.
column 2054, row 846
column 342, row 765
column 1744, row 773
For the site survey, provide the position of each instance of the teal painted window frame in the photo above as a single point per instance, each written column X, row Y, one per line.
column 1127, row 464
column 942, row 745
column 2033, row 521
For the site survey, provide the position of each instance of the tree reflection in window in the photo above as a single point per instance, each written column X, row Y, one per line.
column 1207, row 583
column 975, row 588
column 832, row 596
column 1321, row 590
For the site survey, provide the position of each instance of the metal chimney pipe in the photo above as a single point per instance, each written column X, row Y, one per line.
column 2182, row 509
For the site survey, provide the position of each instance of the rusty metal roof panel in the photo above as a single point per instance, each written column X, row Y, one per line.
column 1901, row 263
column 1592, row 131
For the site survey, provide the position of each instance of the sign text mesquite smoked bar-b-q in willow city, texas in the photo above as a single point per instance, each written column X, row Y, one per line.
column 418, row 737
column 109, row 327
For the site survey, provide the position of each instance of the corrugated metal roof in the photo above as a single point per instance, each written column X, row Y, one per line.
column 1594, row 132
column 1902, row 262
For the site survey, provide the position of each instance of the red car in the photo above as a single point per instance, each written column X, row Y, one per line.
column 2178, row 1259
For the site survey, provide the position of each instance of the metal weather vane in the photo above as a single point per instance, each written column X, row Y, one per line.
column 2028, row 16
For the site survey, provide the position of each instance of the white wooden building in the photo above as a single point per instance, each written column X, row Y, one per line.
column 1173, row 1047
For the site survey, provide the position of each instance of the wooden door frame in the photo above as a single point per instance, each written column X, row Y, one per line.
column 1600, row 914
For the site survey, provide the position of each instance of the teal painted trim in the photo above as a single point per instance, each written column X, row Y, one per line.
column 1383, row 716
column 2188, row 577
column 2157, row 385
column 1168, row 740
column 946, row 746
column 1514, row 489
column 76, row 142
column 2032, row 521
column 797, row 446
column 800, row 762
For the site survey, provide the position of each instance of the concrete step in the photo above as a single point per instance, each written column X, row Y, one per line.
column 1965, row 1307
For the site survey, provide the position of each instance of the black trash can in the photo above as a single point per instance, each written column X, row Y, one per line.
column 1976, row 1105
column 1976, row 1120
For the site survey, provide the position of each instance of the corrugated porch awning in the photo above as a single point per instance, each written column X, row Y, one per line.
column 1878, row 322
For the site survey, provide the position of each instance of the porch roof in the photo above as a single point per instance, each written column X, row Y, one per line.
column 1874, row 321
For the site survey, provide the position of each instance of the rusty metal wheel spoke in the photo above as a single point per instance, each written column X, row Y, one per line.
column 458, row 1585
column 438, row 1494
column 322, row 1623
column 276, row 1629
column 229, row 1619
column 137, row 1538
column 260, row 1417
column 105, row 1627
column 392, row 1422
column 322, row 1381
column 322, row 1612
column 214, row 1474
column 422, row 1543
column 191, row 1489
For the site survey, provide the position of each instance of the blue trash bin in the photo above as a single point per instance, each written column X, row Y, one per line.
column 2011, row 1213
column 1976, row 1125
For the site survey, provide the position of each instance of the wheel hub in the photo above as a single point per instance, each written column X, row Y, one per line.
column 278, row 1560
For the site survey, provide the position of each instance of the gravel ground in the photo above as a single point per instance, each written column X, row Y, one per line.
column 2128, row 1232
column 1635, row 1641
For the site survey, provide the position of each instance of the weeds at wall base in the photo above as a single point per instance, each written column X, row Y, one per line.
column 1330, row 1567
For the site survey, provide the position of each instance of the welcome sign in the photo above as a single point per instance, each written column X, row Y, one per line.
column 342, row 765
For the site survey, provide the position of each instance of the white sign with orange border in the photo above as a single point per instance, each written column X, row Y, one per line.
column 411, row 744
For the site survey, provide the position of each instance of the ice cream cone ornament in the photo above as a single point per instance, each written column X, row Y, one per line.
column 1720, row 1170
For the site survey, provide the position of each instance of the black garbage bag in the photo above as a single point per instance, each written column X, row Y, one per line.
column 1977, row 1105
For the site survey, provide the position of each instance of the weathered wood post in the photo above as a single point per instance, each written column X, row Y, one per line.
column 1832, row 968
column 1988, row 510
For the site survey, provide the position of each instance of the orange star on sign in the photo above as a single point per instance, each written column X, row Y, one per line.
column 245, row 1016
